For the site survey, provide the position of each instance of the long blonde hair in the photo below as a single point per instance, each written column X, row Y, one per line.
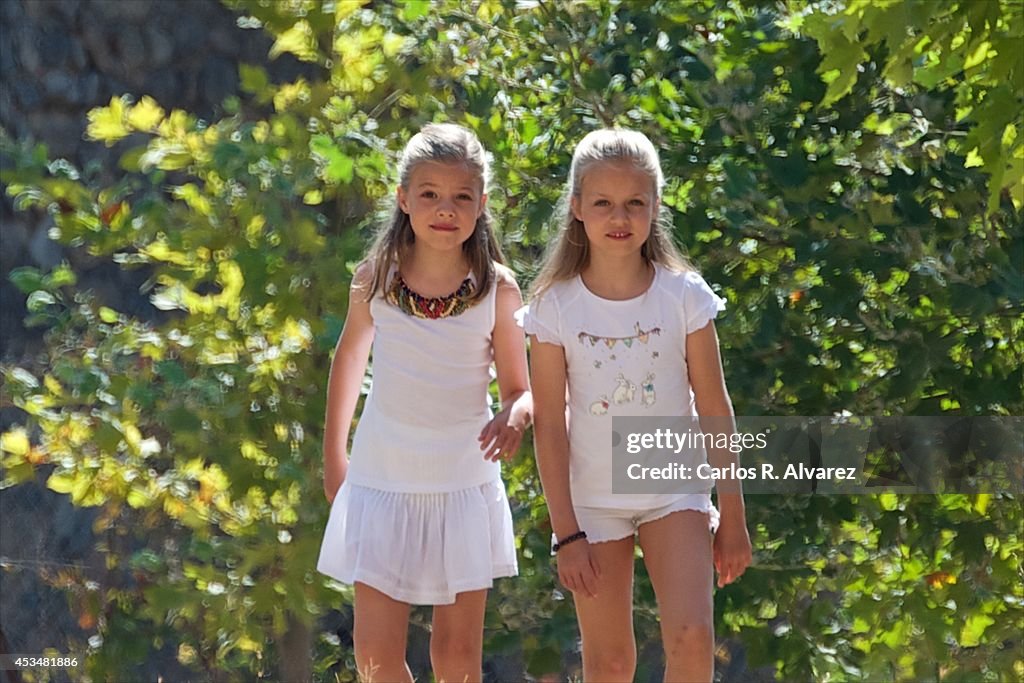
column 569, row 252
column 445, row 142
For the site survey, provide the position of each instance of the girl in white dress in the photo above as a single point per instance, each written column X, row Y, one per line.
column 419, row 513
column 618, row 313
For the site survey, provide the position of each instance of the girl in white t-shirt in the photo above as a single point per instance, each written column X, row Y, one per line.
column 620, row 325
column 419, row 513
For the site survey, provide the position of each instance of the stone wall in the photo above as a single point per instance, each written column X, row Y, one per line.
column 60, row 58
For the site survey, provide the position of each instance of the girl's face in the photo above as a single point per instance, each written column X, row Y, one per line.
column 616, row 204
column 443, row 201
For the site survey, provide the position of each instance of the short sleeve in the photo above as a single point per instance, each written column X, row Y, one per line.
column 700, row 303
column 540, row 318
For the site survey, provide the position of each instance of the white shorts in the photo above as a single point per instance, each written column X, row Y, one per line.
column 420, row 548
column 612, row 524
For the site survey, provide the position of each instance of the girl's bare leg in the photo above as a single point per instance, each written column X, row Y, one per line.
column 606, row 621
column 380, row 633
column 677, row 553
column 456, row 639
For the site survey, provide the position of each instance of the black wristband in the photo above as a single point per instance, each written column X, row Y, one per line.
column 569, row 539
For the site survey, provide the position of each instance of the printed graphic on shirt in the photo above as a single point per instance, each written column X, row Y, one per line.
column 626, row 390
column 647, row 391
column 642, row 336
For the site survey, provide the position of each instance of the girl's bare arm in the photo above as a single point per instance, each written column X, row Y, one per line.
column 503, row 434
column 578, row 570
column 732, row 550
column 548, row 373
column 346, row 379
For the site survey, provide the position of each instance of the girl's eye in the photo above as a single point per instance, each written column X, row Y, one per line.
column 637, row 202
column 465, row 197
column 602, row 202
column 428, row 194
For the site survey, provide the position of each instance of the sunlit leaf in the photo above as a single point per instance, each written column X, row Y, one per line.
column 107, row 124
column 39, row 300
column 299, row 40
column 145, row 115
column 973, row 629
column 15, row 441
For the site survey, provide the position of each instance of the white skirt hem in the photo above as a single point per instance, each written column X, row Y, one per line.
column 420, row 548
column 383, row 585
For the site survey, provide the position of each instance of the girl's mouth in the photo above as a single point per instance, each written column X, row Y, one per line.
column 444, row 227
column 619, row 235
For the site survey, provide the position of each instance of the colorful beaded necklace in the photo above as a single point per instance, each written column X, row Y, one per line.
column 411, row 303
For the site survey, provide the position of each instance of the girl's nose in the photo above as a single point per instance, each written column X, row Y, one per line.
column 445, row 210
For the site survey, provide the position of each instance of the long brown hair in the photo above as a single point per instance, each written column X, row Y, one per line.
column 445, row 142
column 569, row 252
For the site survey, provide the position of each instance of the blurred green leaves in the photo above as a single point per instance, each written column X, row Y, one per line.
column 971, row 49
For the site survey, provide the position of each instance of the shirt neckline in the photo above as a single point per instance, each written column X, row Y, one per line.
column 395, row 272
column 618, row 302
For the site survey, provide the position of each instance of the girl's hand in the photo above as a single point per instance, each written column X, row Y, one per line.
column 578, row 569
column 731, row 551
column 503, row 434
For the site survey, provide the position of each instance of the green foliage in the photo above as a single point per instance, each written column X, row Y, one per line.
column 866, row 266
column 970, row 48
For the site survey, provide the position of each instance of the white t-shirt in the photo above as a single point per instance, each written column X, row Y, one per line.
column 623, row 358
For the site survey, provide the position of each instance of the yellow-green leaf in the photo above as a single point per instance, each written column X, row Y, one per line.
column 253, row 78
column 195, row 199
column 345, row 8
column 106, row 124
column 979, row 55
column 245, row 643
column 61, row 482
column 392, row 44
column 974, row 629
column 291, row 92
column 981, row 502
column 139, row 497
column 15, row 441
column 146, row 115
column 166, row 155
column 53, row 386
column 299, row 40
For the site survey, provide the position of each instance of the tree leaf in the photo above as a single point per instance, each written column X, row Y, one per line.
column 107, row 124
column 39, row 300
column 973, row 629
column 298, row 40
column 146, row 115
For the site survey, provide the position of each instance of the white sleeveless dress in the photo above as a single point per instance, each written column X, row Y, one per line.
column 421, row 515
